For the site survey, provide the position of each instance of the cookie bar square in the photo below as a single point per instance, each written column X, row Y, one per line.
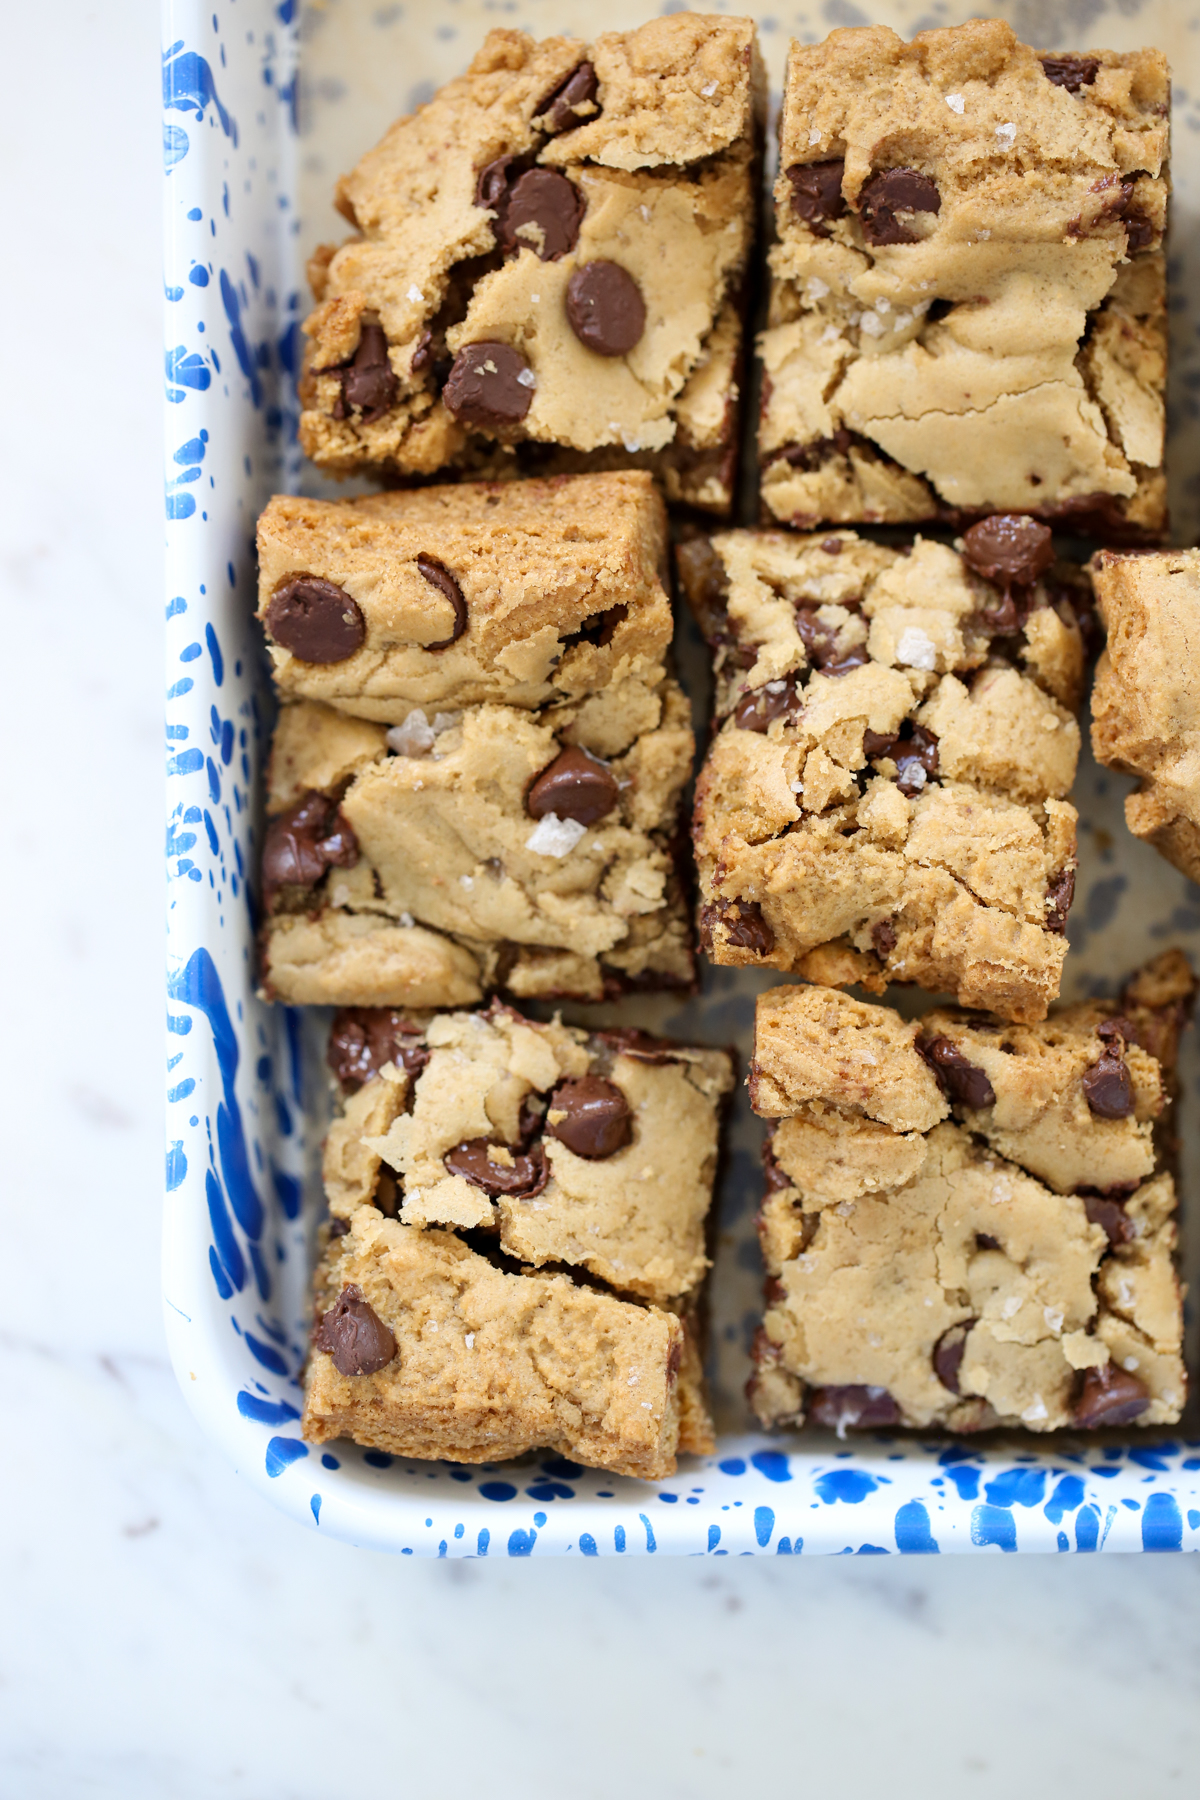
column 1146, row 697
column 884, row 799
column 488, row 846
column 596, row 1151
column 471, row 1152
column 548, row 266
column 967, row 307
column 526, row 593
column 970, row 1224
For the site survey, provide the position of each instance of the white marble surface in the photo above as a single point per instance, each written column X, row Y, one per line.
column 166, row 1634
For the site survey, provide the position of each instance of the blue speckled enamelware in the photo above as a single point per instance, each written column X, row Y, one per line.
column 261, row 104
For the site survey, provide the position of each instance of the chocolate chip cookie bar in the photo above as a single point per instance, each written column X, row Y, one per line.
column 486, row 846
column 884, row 799
column 548, row 266
column 527, row 593
column 1146, row 697
column 970, row 1224
column 472, row 1152
column 967, row 309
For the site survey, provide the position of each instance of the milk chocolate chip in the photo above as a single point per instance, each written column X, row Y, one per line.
column 605, row 308
column 571, row 102
column 317, row 621
column 1110, row 1215
column 1009, row 548
column 948, row 1354
column 368, row 381
column 852, row 1407
column 525, row 1174
column 1060, row 892
column 490, row 385
column 895, row 191
column 1107, row 1087
column 542, row 211
column 306, row 840
column 596, row 1118
column 1109, row 1396
column 743, row 922
column 958, row 1079
column 817, row 195
column 439, row 576
column 354, row 1335
column 363, row 1038
column 575, row 786
column 777, row 700
column 1071, row 72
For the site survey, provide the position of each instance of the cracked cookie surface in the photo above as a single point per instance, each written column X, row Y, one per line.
column 970, row 1224
column 968, row 286
column 548, row 265
column 885, row 797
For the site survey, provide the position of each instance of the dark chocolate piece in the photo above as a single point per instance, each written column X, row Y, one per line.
column 817, row 194
column 605, row 308
column 894, row 191
column 575, row 786
column 1107, row 1087
column 948, row 1354
column 777, row 700
column 1010, row 549
column 597, row 1121
column 490, row 386
column 916, row 759
column 570, row 102
column 744, row 925
column 527, row 1175
column 1109, row 1396
column 959, row 1080
column 354, row 1335
column 316, row 620
column 439, row 576
column 363, row 1038
column 1060, row 892
column 1071, row 72
column 883, row 936
column 368, row 380
column 306, row 840
column 1110, row 1215
column 852, row 1408
column 525, row 198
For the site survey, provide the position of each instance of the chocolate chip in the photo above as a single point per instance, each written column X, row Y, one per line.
column 883, row 936
column 819, row 639
column 1107, row 1087
column 526, row 1176
column 985, row 1242
column 368, row 380
column 363, row 1038
column 605, row 308
column 831, row 546
column 916, row 759
column 490, row 385
column 817, row 193
column 306, row 840
column 895, row 191
column 354, row 1335
column 1110, row 1215
column 339, row 1228
column 961, row 1081
column 877, row 744
column 1009, row 548
column 631, row 1041
column 1071, row 72
column 439, row 576
column 572, row 100
column 1118, row 1027
column 948, row 1354
column 777, row 700
column 542, row 211
column 855, row 658
column 743, row 922
column 316, row 621
column 1109, row 1396
column 1060, row 892
column 495, row 179
column 597, row 1121
column 575, row 786
column 852, row 1408
column 1139, row 230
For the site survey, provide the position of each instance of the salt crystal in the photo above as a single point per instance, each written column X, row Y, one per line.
column 414, row 737
column 415, row 294
column 957, row 103
column 1007, row 135
column 527, row 378
column 1035, row 1410
column 916, row 649
column 709, row 89
column 552, row 836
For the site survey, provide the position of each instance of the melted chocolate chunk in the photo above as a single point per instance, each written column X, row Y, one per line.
column 961, row 1081
column 368, row 381
column 777, row 700
column 743, row 922
column 879, row 743
column 490, row 386
column 526, row 1176
column 1110, row 1215
column 948, row 1354
column 1071, row 72
column 1009, row 549
column 1107, row 1087
column 820, row 640
column 895, row 191
column 303, row 842
column 354, row 1335
column 852, row 1408
column 570, row 102
column 605, row 308
column 363, row 1038
column 575, row 786
column 1109, row 1396
column 1118, row 1027
column 597, row 1121
column 536, row 209
column 439, row 576
column 1060, row 892
column 817, row 193
column 641, row 1046
column 916, row 759
column 316, row 621
column 883, row 936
